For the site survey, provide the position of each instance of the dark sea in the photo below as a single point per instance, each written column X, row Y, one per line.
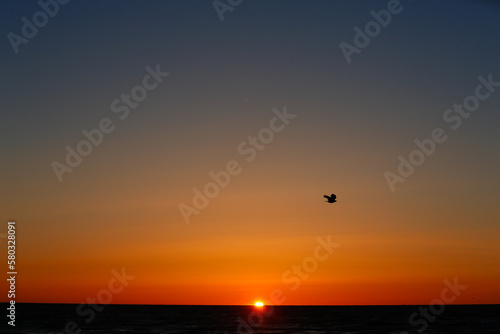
column 70, row 318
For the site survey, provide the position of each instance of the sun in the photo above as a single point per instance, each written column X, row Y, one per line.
column 259, row 304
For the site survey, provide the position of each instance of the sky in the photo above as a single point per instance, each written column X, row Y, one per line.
column 284, row 102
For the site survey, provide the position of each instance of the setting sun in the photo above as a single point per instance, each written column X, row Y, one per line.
column 259, row 304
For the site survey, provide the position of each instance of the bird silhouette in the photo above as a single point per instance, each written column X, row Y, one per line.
column 330, row 199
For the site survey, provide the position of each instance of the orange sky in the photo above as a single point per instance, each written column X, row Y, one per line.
column 238, row 249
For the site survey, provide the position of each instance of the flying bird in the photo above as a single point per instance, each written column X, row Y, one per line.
column 330, row 199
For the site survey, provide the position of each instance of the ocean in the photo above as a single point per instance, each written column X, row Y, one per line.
column 73, row 319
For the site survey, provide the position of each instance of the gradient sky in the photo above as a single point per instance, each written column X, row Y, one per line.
column 120, row 207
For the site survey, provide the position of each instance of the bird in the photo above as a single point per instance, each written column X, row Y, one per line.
column 330, row 199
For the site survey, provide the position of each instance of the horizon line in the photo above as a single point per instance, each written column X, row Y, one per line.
column 132, row 304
